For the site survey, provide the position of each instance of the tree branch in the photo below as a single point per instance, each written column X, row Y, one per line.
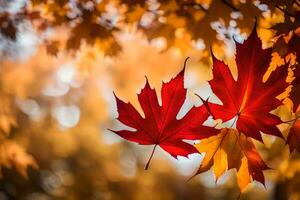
column 196, row 5
column 230, row 5
column 285, row 12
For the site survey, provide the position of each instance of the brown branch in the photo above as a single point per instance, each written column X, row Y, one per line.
column 230, row 5
column 196, row 5
column 285, row 12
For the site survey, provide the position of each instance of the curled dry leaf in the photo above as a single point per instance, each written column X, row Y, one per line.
column 14, row 156
column 232, row 150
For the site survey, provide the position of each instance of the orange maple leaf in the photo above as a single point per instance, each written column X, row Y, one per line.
column 232, row 150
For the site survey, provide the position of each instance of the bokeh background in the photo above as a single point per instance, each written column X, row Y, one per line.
column 61, row 61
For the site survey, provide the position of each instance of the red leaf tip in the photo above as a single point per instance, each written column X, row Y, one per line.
column 185, row 61
column 184, row 66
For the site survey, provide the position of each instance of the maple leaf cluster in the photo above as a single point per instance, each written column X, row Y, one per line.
column 248, row 100
column 99, row 22
column 91, row 28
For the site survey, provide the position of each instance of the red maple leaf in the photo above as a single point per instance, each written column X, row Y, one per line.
column 293, row 139
column 295, row 93
column 160, row 125
column 293, row 46
column 248, row 98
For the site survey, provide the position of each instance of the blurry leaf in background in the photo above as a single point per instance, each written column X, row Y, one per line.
column 7, row 27
column 13, row 156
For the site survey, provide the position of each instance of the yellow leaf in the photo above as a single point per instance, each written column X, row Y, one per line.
column 220, row 163
column 232, row 150
column 212, row 143
column 243, row 176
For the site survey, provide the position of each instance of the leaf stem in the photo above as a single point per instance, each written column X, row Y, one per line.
column 148, row 163
column 239, row 196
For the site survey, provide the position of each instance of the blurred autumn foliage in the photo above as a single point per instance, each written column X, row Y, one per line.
column 61, row 61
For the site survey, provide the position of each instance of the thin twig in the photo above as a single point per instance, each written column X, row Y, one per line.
column 196, row 5
column 285, row 12
column 230, row 5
